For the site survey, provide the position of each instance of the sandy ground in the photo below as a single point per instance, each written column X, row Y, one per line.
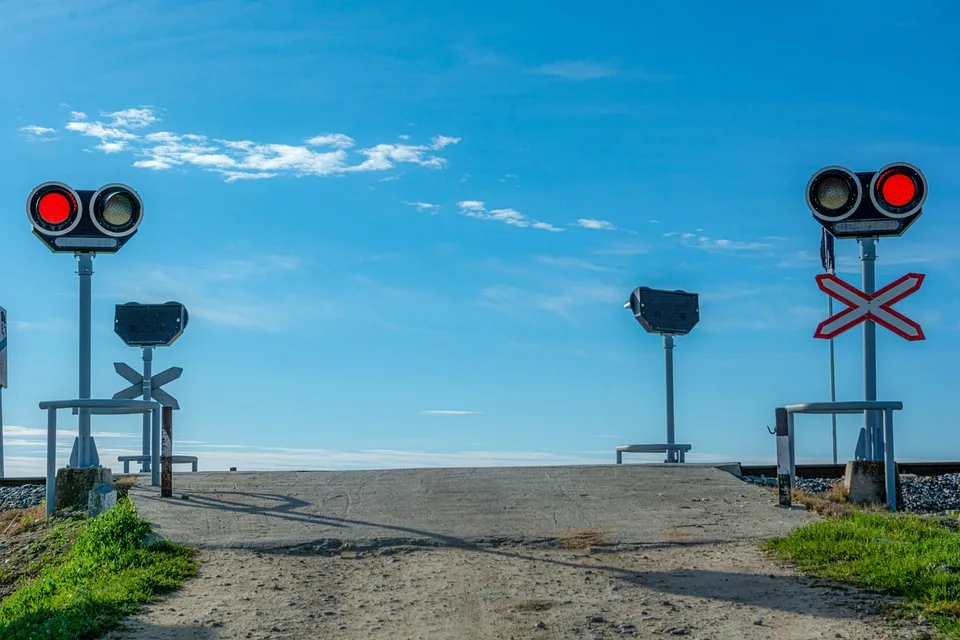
column 714, row 591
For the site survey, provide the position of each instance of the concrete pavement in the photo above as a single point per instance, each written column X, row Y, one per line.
column 630, row 504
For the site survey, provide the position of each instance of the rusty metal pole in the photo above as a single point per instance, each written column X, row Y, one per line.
column 784, row 468
column 166, row 454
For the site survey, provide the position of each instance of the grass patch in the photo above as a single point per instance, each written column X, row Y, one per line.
column 914, row 558
column 108, row 573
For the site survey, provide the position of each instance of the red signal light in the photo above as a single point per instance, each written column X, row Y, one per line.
column 897, row 189
column 54, row 207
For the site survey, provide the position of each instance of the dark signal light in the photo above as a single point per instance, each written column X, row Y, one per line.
column 834, row 193
column 116, row 210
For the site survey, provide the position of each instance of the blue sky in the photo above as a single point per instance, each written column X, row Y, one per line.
column 405, row 231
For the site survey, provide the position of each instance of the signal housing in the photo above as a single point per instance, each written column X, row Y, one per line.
column 100, row 221
column 878, row 216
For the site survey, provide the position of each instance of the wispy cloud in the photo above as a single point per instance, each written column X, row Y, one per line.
column 578, row 70
column 447, row 412
column 424, row 206
column 562, row 301
column 49, row 325
column 477, row 209
column 569, row 262
column 225, row 292
column 38, row 134
column 593, row 223
column 700, row 241
column 327, row 154
column 624, row 249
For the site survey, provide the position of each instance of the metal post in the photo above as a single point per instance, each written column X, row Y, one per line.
column 784, row 472
column 793, row 446
column 155, row 450
column 833, row 384
column 868, row 258
column 51, row 460
column 86, row 452
column 166, row 456
column 1, row 433
column 147, row 391
column 668, row 361
column 889, row 465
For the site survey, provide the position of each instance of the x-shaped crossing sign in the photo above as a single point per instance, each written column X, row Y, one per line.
column 877, row 307
column 135, row 390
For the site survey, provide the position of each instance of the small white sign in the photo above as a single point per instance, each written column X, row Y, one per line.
column 3, row 348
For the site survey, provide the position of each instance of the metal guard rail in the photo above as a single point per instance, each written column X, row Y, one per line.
column 786, row 458
column 106, row 406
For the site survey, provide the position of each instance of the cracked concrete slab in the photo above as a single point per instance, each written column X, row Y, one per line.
column 634, row 504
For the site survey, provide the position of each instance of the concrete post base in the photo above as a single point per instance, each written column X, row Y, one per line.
column 74, row 485
column 865, row 483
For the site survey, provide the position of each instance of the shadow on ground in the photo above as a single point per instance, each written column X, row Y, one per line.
column 145, row 631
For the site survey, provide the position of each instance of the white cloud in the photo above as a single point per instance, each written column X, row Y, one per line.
column 593, row 223
column 322, row 155
column 578, row 70
column 113, row 147
column 338, row 140
column 471, row 205
column 446, row 412
column 37, row 133
column 512, row 217
column 424, row 206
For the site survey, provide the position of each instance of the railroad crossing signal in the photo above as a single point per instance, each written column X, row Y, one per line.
column 877, row 307
column 150, row 325
column 135, row 390
column 867, row 204
column 71, row 221
column 666, row 312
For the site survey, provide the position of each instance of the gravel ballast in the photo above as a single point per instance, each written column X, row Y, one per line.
column 921, row 494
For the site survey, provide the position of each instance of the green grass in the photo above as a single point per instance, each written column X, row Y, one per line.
column 915, row 559
column 108, row 574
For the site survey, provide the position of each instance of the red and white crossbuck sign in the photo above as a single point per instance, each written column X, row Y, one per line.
column 862, row 307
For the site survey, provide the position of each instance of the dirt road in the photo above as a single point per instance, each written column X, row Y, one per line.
column 713, row 591
column 642, row 551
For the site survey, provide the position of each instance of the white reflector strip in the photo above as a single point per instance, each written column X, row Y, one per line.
column 86, row 243
column 867, row 225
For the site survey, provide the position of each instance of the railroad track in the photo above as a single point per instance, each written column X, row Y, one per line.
column 803, row 471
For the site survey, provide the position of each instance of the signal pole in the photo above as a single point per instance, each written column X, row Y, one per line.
column 85, row 449
column 833, row 385
column 868, row 259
